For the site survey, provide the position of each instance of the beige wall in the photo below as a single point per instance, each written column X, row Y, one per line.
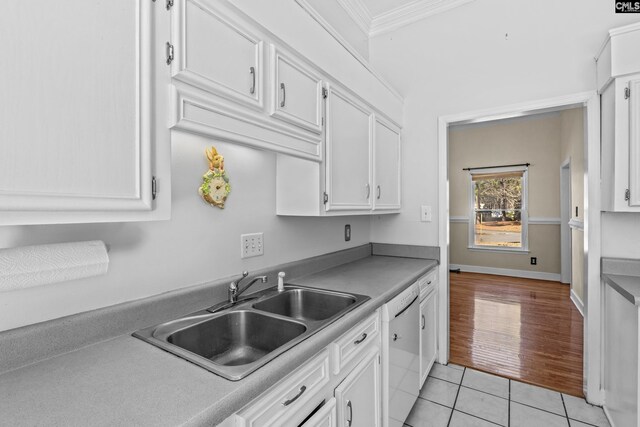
column 572, row 147
column 544, row 243
column 534, row 140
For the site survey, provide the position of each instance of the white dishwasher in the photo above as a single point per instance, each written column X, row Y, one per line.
column 401, row 356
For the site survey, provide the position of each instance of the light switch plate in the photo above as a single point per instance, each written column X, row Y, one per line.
column 251, row 245
column 425, row 213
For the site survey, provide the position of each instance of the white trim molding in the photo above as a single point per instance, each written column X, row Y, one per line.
column 397, row 17
column 525, row 274
column 409, row 13
column 358, row 12
column 539, row 220
column 533, row 220
column 592, row 238
column 575, row 299
column 576, row 224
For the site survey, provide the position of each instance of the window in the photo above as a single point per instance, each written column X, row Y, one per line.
column 498, row 208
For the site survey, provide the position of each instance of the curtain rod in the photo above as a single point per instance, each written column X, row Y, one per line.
column 493, row 167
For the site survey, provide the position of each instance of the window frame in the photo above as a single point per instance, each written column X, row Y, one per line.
column 524, row 210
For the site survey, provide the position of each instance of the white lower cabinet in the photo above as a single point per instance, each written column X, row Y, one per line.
column 428, row 322
column 358, row 396
column 325, row 417
column 306, row 396
column 428, row 339
column 291, row 400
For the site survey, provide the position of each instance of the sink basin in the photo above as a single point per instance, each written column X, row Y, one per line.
column 306, row 304
column 236, row 338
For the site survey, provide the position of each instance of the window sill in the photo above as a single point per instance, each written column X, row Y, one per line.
column 498, row 249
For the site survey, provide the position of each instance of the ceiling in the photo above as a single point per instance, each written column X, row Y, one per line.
column 375, row 17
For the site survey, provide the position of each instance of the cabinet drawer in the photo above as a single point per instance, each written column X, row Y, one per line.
column 290, row 401
column 325, row 417
column 355, row 342
column 428, row 283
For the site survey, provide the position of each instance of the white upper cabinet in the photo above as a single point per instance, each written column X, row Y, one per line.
column 634, row 143
column 83, row 114
column 386, row 159
column 618, row 72
column 348, row 157
column 361, row 171
column 296, row 91
column 216, row 52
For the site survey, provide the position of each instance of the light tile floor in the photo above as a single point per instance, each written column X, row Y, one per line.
column 454, row 396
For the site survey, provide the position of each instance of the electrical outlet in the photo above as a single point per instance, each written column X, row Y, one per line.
column 425, row 213
column 251, row 245
column 347, row 232
column 534, row 260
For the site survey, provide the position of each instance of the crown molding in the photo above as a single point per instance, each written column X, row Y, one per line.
column 359, row 13
column 410, row 13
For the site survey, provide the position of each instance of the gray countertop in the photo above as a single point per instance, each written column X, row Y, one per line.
column 125, row 381
column 623, row 275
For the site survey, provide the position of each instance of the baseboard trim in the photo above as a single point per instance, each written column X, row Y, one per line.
column 525, row 274
column 577, row 302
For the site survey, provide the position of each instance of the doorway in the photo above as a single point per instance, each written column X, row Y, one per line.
column 591, row 235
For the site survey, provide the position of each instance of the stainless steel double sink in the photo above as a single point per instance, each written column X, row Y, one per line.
column 233, row 340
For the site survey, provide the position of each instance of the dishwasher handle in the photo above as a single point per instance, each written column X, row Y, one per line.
column 407, row 307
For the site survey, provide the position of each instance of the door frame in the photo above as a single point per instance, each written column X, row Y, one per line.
column 566, row 204
column 592, row 239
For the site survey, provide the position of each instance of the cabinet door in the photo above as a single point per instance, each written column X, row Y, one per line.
column 358, row 396
column 386, row 168
column 428, row 338
column 83, row 111
column 634, row 143
column 348, row 147
column 325, row 417
column 215, row 51
column 296, row 91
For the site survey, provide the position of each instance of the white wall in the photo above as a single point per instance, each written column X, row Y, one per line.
column 199, row 243
column 341, row 21
column 461, row 61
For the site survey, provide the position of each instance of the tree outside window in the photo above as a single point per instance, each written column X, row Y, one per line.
column 497, row 205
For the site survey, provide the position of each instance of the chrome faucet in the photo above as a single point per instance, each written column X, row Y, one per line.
column 235, row 290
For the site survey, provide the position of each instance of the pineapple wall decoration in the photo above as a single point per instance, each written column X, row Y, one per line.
column 215, row 183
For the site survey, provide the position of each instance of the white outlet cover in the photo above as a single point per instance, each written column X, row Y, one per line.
column 251, row 245
column 425, row 213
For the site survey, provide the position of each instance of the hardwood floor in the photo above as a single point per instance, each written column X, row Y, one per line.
column 524, row 329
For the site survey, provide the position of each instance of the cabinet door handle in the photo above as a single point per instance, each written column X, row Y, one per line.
column 424, row 322
column 378, row 192
column 362, row 338
column 294, row 398
column 350, row 407
column 395, row 337
column 284, row 95
column 252, row 71
column 368, row 187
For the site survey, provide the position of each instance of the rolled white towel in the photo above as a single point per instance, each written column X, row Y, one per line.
column 29, row 266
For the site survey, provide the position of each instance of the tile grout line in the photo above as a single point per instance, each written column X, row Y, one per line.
column 539, row 409
column 479, row 418
column 565, row 409
column 457, row 394
column 509, row 406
